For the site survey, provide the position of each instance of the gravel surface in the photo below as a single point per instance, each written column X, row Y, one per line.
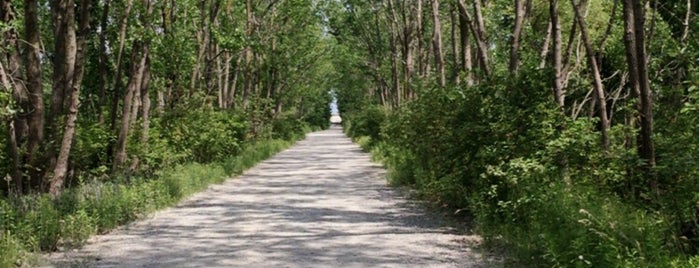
column 321, row 203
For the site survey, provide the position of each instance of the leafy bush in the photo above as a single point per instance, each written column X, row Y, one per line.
column 536, row 180
column 204, row 135
column 34, row 223
column 287, row 127
column 366, row 122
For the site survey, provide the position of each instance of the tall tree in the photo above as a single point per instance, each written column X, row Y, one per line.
column 61, row 166
column 634, row 41
column 597, row 77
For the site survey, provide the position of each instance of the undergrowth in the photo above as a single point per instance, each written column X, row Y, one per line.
column 37, row 223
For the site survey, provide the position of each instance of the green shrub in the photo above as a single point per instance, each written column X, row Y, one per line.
column 12, row 252
column 287, row 127
column 76, row 228
column 203, row 135
column 367, row 122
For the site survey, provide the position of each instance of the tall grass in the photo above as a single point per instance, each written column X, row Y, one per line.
column 39, row 223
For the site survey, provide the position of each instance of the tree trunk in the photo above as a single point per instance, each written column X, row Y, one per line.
column 686, row 23
column 454, row 46
column 634, row 41
column 594, row 69
column 248, row 54
column 478, row 34
column 117, row 69
column 13, row 81
column 34, row 82
column 393, row 44
column 202, row 45
column 516, row 33
column 437, row 43
column 558, row 93
column 138, row 59
column 546, row 47
column 61, row 168
column 466, row 61
column 103, row 59
column 7, row 80
column 480, row 31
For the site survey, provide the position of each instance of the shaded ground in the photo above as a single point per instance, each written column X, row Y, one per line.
column 321, row 203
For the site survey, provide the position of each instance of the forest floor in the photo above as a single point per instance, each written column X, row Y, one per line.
column 321, row 203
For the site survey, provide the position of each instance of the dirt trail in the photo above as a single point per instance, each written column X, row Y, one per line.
column 321, row 203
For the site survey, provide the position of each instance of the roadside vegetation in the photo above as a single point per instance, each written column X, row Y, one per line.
column 566, row 128
column 110, row 110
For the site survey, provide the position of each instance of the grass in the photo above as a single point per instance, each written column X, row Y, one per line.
column 32, row 224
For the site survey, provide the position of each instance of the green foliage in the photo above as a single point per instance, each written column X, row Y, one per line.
column 366, row 122
column 536, row 181
column 287, row 127
column 13, row 253
column 35, row 223
column 205, row 135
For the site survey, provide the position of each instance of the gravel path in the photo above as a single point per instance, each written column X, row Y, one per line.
column 321, row 203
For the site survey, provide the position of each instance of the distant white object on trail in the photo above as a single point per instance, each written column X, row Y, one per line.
column 335, row 119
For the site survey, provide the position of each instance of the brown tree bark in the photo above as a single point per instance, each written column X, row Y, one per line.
column 61, row 168
column 393, row 44
column 13, row 81
column 466, row 60
column 454, row 46
column 558, row 83
column 478, row 34
column 594, row 69
column 516, row 33
column 248, row 87
column 546, row 46
column 437, row 44
column 117, row 69
column 34, row 84
column 686, row 23
column 103, row 59
column 139, row 69
column 138, row 59
column 634, row 41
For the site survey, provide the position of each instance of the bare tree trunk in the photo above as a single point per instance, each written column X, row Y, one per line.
column 466, row 61
column 437, row 39
column 34, row 82
column 516, row 33
column 202, row 43
column 138, row 59
column 419, row 34
column 393, row 43
column 634, row 40
column 558, row 92
column 145, row 103
column 594, row 69
column 226, row 80
column 686, row 23
column 102, row 64
column 117, row 78
column 140, row 68
column 454, row 46
column 59, row 172
column 478, row 34
column 234, row 84
column 409, row 30
column 64, row 64
column 248, row 55
column 12, row 82
column 480, row 31
column 546, row 47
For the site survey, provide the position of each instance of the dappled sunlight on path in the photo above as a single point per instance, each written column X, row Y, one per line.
column 321, row 203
